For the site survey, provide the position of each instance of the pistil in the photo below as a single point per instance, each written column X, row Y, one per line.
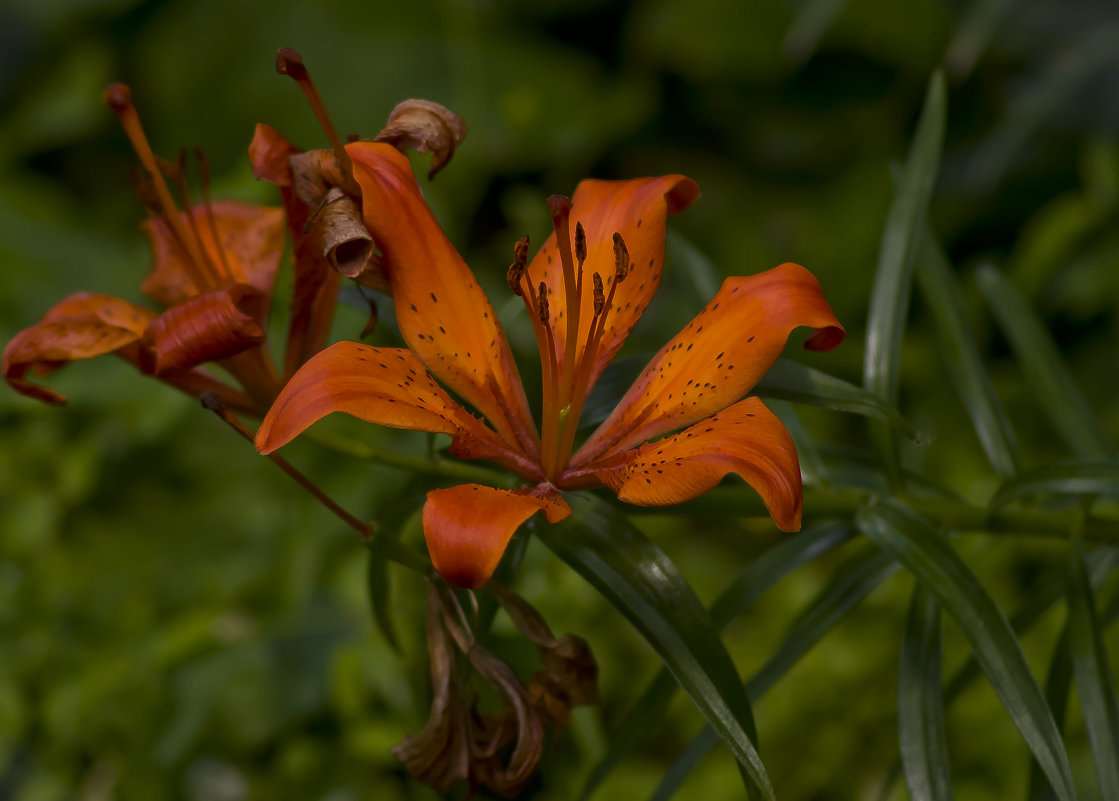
column 289, row 62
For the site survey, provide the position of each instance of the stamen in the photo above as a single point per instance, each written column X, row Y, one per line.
column 118, row 97
column 542, row 303
column 621, row 258
column 580, row 244
column 289, row 62
column 561, row 219
column 177, row 172
column 204, row 174
column 599, row 297
column 517, row 269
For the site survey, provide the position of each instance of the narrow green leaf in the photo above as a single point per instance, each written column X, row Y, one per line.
column 1062, row 478
column 924, row 748
column 853, row 581
column 1044, row 369
column 645, row 586
column 901, row 239
column 1041, row 97
column 965, row 365
column 799, row 383
column 740, row 595
column 927, row 554
column 811, row 22
column 1094, row 684
column 392, row 520
column 1058, row 683
column 811, row 463
column 980, row 21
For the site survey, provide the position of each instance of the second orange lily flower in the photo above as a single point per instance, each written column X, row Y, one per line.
column 585, row 290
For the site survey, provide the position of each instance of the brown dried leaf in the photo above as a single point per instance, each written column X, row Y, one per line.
column 425, row 127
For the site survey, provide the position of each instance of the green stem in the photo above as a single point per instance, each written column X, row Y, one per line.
column 955, row 514
column 435, row 466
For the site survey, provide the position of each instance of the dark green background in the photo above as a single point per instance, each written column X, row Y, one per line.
column 176, row 621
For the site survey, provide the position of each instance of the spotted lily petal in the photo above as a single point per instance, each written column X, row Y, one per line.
column 718, row 357
column 388, row 386
column 82, row 326
column 443, row 314
column 467, row 528
column 746, row 439
column 637, row 210
column 251, row 239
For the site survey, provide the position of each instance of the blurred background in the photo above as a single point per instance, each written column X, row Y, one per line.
column 177, row 622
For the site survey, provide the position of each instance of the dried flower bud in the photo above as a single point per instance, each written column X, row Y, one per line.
column 425, row 127
column 344, row 239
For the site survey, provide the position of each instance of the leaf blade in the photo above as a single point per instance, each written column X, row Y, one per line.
column 642, row 583
column 927, row 554
column 1044, row 369
column 924, row 747
column 1061, row 478
column 1094, row 684
column 965, row 365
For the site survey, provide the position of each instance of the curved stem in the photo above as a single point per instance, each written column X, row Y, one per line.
column 955, row 514
column 436, row 466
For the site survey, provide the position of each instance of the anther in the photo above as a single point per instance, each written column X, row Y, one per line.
column 599, row 295
column 580, row 243
column 517, row 269
column 520, row 251
column 621, row 258
column 542, row 303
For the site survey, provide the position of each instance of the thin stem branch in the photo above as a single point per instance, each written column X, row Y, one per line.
column 436, row 466
column 389, row 548
column 958, row 515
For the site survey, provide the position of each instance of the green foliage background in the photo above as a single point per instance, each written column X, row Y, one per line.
column 177, row 621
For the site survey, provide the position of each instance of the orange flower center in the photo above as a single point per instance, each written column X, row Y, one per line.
column 565, row 382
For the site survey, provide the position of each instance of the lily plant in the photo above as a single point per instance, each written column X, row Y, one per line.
column 683, row 425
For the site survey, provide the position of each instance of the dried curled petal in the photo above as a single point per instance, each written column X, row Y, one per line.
column 81, row 326
column 344, row 239
column 425, row 127
column 207, row 328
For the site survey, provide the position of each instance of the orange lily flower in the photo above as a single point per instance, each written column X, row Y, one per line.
column 214, row 270
column 584, row 290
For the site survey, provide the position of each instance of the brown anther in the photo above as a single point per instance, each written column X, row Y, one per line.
column 542, row 302
column 580, row 243
column 599, row 295
column 118, row 97
column 621, row 258
column 520, row 251
column 290, row 62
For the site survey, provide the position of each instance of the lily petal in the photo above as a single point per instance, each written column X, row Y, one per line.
column 467, row 528
column 635, row 209
column 746, row 439
column 388, row 386
column 718, row 357
column 251, row 244
column 206, row 328
column 443, row 314
column 81, row 326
